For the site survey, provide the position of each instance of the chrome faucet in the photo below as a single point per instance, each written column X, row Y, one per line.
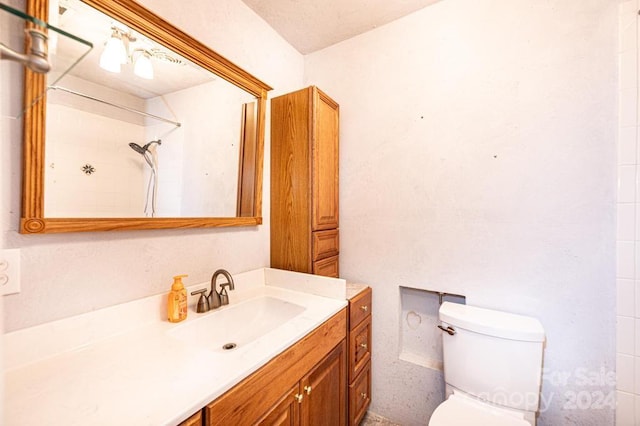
column 218, row 299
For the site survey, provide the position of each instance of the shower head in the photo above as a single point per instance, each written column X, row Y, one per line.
column 137, row 148
column 142, row 149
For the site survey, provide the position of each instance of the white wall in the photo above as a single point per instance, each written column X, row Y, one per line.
column 64, row 275
column 628, row 231
column 201, row 156
column 478, row 144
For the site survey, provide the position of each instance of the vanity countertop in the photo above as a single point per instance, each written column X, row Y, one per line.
column 112, row 367
column 353, row 289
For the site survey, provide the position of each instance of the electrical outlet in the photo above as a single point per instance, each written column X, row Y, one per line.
column 9, row 271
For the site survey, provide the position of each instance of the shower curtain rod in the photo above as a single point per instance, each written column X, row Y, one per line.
column 146, row 114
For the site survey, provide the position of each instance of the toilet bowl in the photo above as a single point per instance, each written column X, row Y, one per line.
column 461, row 410
column 492, row 367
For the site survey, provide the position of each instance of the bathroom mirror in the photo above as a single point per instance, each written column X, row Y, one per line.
column 151, row 130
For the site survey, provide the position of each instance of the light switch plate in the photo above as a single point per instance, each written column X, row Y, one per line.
column 9, row 271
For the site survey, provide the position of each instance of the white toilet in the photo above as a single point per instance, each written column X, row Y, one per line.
column 492, row 367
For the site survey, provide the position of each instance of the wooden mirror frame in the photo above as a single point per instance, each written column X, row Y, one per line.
column 145, row 22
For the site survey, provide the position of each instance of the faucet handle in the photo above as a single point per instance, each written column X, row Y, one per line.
column 224, row 296
column 203, row 302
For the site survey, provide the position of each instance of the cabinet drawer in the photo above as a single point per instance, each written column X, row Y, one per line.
column 359, row 348
column 326, row 267
column 359, row 308
column 360, row 395
column 325, row 244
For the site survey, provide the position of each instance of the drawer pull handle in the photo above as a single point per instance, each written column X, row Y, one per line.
column 363, row 345
column 364, row 308
column 363, row 395
column 299, row 397
column 307, row 389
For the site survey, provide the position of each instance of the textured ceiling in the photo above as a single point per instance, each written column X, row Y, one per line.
column 311, row 25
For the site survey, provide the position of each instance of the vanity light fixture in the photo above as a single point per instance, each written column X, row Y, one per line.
column 120, row 50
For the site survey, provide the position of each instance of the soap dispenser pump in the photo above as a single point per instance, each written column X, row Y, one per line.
column 177, row 301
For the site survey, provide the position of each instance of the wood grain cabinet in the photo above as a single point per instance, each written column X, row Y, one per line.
column 304, row 385
column 359, row 355
column 195, row 420
column 304, row 182
column 325, row 392
column 318, row 399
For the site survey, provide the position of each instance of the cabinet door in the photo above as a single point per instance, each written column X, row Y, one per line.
column 286, row 412
column 324, row 391
column 195, row 420
column 325, row 162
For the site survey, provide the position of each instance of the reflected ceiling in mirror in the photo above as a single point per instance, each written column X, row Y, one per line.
column 140, row 136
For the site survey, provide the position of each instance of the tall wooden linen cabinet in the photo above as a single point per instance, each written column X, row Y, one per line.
column 304, row 182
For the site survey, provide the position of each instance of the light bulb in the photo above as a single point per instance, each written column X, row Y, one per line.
column 143, row 67
column 113, row 54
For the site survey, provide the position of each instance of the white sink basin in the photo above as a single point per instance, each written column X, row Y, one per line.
column 235, row 326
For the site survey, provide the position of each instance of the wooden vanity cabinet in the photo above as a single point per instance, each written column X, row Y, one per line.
column 304, row 182
column 304, row 385
column 318, row 399
column 359, row 355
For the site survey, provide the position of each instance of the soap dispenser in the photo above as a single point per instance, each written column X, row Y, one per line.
column 177, row 302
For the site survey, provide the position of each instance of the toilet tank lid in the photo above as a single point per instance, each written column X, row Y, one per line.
column 492, row 323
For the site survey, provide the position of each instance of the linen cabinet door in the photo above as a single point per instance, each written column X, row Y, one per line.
column 325, row 147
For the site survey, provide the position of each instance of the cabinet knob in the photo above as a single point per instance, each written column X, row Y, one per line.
column 307, row 389
column 363, row 345
column 363, row 395
column 364, row 308
column 298, row 397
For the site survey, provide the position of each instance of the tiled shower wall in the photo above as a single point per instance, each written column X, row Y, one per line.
column 628, row 229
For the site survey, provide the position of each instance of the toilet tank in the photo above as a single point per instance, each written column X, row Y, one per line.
column 494, row 356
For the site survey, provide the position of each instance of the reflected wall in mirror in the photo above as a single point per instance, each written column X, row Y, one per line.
column 151, row 130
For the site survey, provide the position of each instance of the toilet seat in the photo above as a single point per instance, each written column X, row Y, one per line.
column 460, row 410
